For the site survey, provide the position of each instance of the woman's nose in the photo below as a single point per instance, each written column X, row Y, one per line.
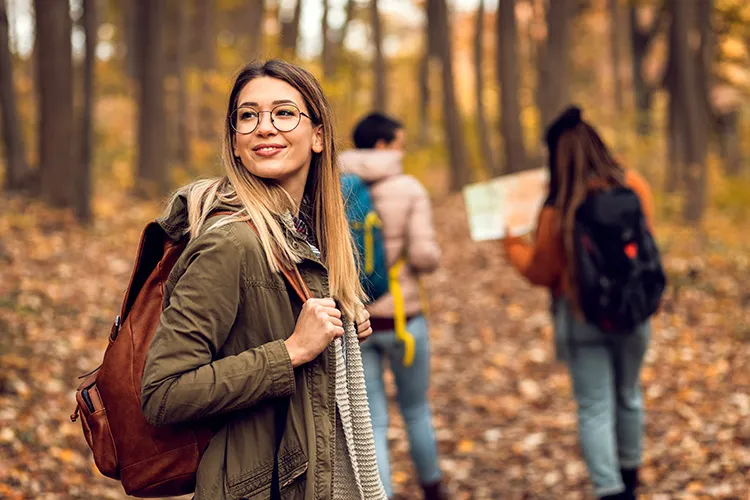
column 265, row 125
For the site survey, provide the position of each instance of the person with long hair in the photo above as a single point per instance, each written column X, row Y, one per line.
column 604, row 367
column 235, row 345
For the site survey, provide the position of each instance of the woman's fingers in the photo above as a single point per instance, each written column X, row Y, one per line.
column 336, row 322
column 365, row 325
column 333, row 312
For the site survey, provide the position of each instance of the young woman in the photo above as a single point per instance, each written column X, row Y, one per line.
column 605, row 368
column 235, row 345
column 411, row 250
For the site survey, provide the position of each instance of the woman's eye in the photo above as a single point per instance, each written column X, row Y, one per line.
column 248, row 115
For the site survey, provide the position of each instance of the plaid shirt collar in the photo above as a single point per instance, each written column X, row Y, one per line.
column 302, row 228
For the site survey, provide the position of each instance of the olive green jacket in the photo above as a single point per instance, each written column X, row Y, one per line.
column 219, row 354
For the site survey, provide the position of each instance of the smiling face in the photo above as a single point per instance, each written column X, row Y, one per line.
column 268, row 153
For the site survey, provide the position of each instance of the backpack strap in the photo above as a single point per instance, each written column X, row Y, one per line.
column 399, row 312
column 295, row 279
column 372, row 221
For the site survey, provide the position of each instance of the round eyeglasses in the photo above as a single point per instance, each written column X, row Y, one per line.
column 284, row 118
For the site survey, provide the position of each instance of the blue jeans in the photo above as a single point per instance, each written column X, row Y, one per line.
column 605, row 370
column 411, row 383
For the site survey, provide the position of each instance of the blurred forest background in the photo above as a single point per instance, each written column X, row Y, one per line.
column 107, row 105
column 137, row 104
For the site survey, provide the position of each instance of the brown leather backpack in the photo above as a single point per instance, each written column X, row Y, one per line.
column 149, row 461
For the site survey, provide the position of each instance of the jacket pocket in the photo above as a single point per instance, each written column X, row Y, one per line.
column 255, row 484
column 296, row 475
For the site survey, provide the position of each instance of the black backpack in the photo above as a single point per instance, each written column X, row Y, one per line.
column 618, row 267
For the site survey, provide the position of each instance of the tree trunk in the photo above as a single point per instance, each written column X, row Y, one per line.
column 675, row 141
column 183, row 97
column 730, row 147
column 424, row 98
column 507, row 72
column 431, row 38
column 129, row 13
column 640, row 42
column 437, row 13
column 206, row 27
column 554, row 66
column 151, row 178
column 675, row 120
column 614, row 32
column 9, row 8
column 173, row 10
column 290, row 32
column 691, row 101
column 17, row 170
column 327, row 49
column 257, row 17
column 380, row 96
column 90, row 27
column 722, row 101
column 706, row 55
column 336, row 43
column 341, row 38
column 488, row 157
column 56, row 115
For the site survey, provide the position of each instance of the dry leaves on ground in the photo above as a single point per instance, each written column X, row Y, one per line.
column 504, row 417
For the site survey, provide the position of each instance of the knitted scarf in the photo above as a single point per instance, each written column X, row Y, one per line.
column 356, row 473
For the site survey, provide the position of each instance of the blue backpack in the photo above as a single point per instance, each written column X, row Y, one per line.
column 367, row 232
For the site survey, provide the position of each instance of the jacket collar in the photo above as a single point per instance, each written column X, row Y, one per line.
column 175, row 224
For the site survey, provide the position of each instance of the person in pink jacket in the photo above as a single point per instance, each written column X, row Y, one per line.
column 411, row 248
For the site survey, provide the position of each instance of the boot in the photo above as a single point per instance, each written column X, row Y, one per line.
column 435, row 491
column 630, row 479
column 624, row 495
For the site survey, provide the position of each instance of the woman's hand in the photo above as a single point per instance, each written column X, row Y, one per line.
column 364, row 329
column 318, row 324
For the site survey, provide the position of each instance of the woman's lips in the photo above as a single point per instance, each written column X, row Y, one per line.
column 267, row 150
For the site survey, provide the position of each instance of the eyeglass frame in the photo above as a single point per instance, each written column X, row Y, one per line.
column 302, row 113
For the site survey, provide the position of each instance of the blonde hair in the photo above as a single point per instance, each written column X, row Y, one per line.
column 261, row 199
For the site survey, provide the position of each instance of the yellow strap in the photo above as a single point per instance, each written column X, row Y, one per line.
column 371, row 221
column 399, row 312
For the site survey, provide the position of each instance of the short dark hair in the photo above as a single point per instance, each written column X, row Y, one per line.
column 375, row 127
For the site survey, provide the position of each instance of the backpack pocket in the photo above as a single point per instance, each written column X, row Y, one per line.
column 96, row 427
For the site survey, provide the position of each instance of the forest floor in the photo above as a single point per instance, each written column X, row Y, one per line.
column 505, row 419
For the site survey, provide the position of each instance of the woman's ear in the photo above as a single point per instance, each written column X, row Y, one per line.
column 317, row 145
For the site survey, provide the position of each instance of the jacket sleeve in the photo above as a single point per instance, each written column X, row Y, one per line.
column 182, row 378
column 542, row 262
column 422, row 250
